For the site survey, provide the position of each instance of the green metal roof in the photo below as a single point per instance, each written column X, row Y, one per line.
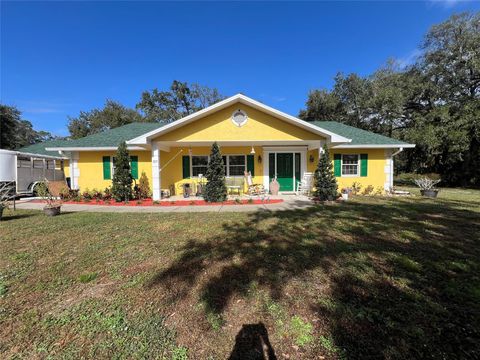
column 358, row 136
column 112, row 137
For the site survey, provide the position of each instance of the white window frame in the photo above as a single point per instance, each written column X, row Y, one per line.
column 358, row 166
column 227, row 165
column 112, row 166
column 192, row 166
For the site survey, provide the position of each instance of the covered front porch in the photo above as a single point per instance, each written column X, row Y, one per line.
column 177, row 167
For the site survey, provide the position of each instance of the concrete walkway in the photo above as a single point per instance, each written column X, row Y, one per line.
column 290, row 202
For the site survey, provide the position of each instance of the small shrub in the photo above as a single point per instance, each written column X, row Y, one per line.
column 215, row 190
column 122, row 177
column 327, row 344
column 143, row 187
column 250, row 201
column 368, row 190
column 139, row 202
column 192, row 202
column 356, row 187
column 107, row 194
column 325, row 182
column 96, row 195
column 85, row 278
column 379, row 190
column 87, row 196
column 156, row 202
column 238, row 201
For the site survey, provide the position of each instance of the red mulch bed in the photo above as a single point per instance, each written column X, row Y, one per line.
column 149, row 202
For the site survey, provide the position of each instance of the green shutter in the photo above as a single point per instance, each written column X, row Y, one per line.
column 251, row 164
column 186, row 166
column 337, row 165
column 134, row 166
column 106, row 168
column 363, row 164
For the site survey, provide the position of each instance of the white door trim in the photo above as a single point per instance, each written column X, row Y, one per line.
column 266, row 166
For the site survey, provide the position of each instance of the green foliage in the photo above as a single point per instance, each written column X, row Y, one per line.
column 301, row 330
column 181, row 100
column 111, row 116
column 16, row 132
column 408, row 179
column 85, row 278
column 143, row 187
column 325, row 182
column 434, row 103
column 180, row 353
column 215, row 190
column 122, row 178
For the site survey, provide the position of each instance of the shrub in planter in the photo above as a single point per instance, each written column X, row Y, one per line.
column 356, row 187
column 122, row 177
column 368, row 190
column 215, row 190
column 144, row 187
column 96, row 195
column 325, row 182
column 87, row 195
column 107, row 194
column 53, row 205
column 427, row 187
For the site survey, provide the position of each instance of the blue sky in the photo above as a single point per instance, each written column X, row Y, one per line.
column 58, row 58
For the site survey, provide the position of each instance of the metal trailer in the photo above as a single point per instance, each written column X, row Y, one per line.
column 27, row 170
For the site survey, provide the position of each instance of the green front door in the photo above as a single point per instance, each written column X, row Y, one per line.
column 285, row 171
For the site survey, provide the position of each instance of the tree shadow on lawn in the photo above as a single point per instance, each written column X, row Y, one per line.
column 402, row 274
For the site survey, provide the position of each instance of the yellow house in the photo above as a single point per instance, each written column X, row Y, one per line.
column 253, row 137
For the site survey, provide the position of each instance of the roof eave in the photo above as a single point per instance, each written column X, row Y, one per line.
column 373, row 146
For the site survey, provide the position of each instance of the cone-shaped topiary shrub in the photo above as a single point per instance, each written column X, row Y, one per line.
column 215, row 190
column 122, row 178
column 325, row 182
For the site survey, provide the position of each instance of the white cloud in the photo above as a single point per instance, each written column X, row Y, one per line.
column 408, row 59
column 448, row 4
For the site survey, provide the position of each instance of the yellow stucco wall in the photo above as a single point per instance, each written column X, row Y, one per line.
column 172, row 173
column 219, row 127
column 376, row 167
column 66, row 168
column 90, row 164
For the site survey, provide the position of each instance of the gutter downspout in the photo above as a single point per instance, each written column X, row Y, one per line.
column 391, row 166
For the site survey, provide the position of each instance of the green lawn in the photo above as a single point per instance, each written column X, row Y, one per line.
column 371, row 278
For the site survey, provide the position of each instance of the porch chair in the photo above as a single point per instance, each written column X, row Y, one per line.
column 233, row 185
column 253, row 189
column 304, row 187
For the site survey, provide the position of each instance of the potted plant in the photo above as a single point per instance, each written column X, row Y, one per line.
column 7, row 192
column 427, row 187
column 52, row 204
column 345, row 192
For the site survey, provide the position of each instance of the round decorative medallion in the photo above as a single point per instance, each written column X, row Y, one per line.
column 239, row 117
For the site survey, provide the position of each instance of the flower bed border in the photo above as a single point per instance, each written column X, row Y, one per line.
column 150, row 202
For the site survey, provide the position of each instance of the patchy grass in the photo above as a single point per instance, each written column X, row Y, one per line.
column 374, row 277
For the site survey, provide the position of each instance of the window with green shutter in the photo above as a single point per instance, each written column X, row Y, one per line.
column 134, row 166
column 337, row 165
column 363, row 164
column 251, row 164
column 186, row 166
column 107, row 169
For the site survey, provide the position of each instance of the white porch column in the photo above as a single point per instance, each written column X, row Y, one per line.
column 156, row 179
column 74, row 170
